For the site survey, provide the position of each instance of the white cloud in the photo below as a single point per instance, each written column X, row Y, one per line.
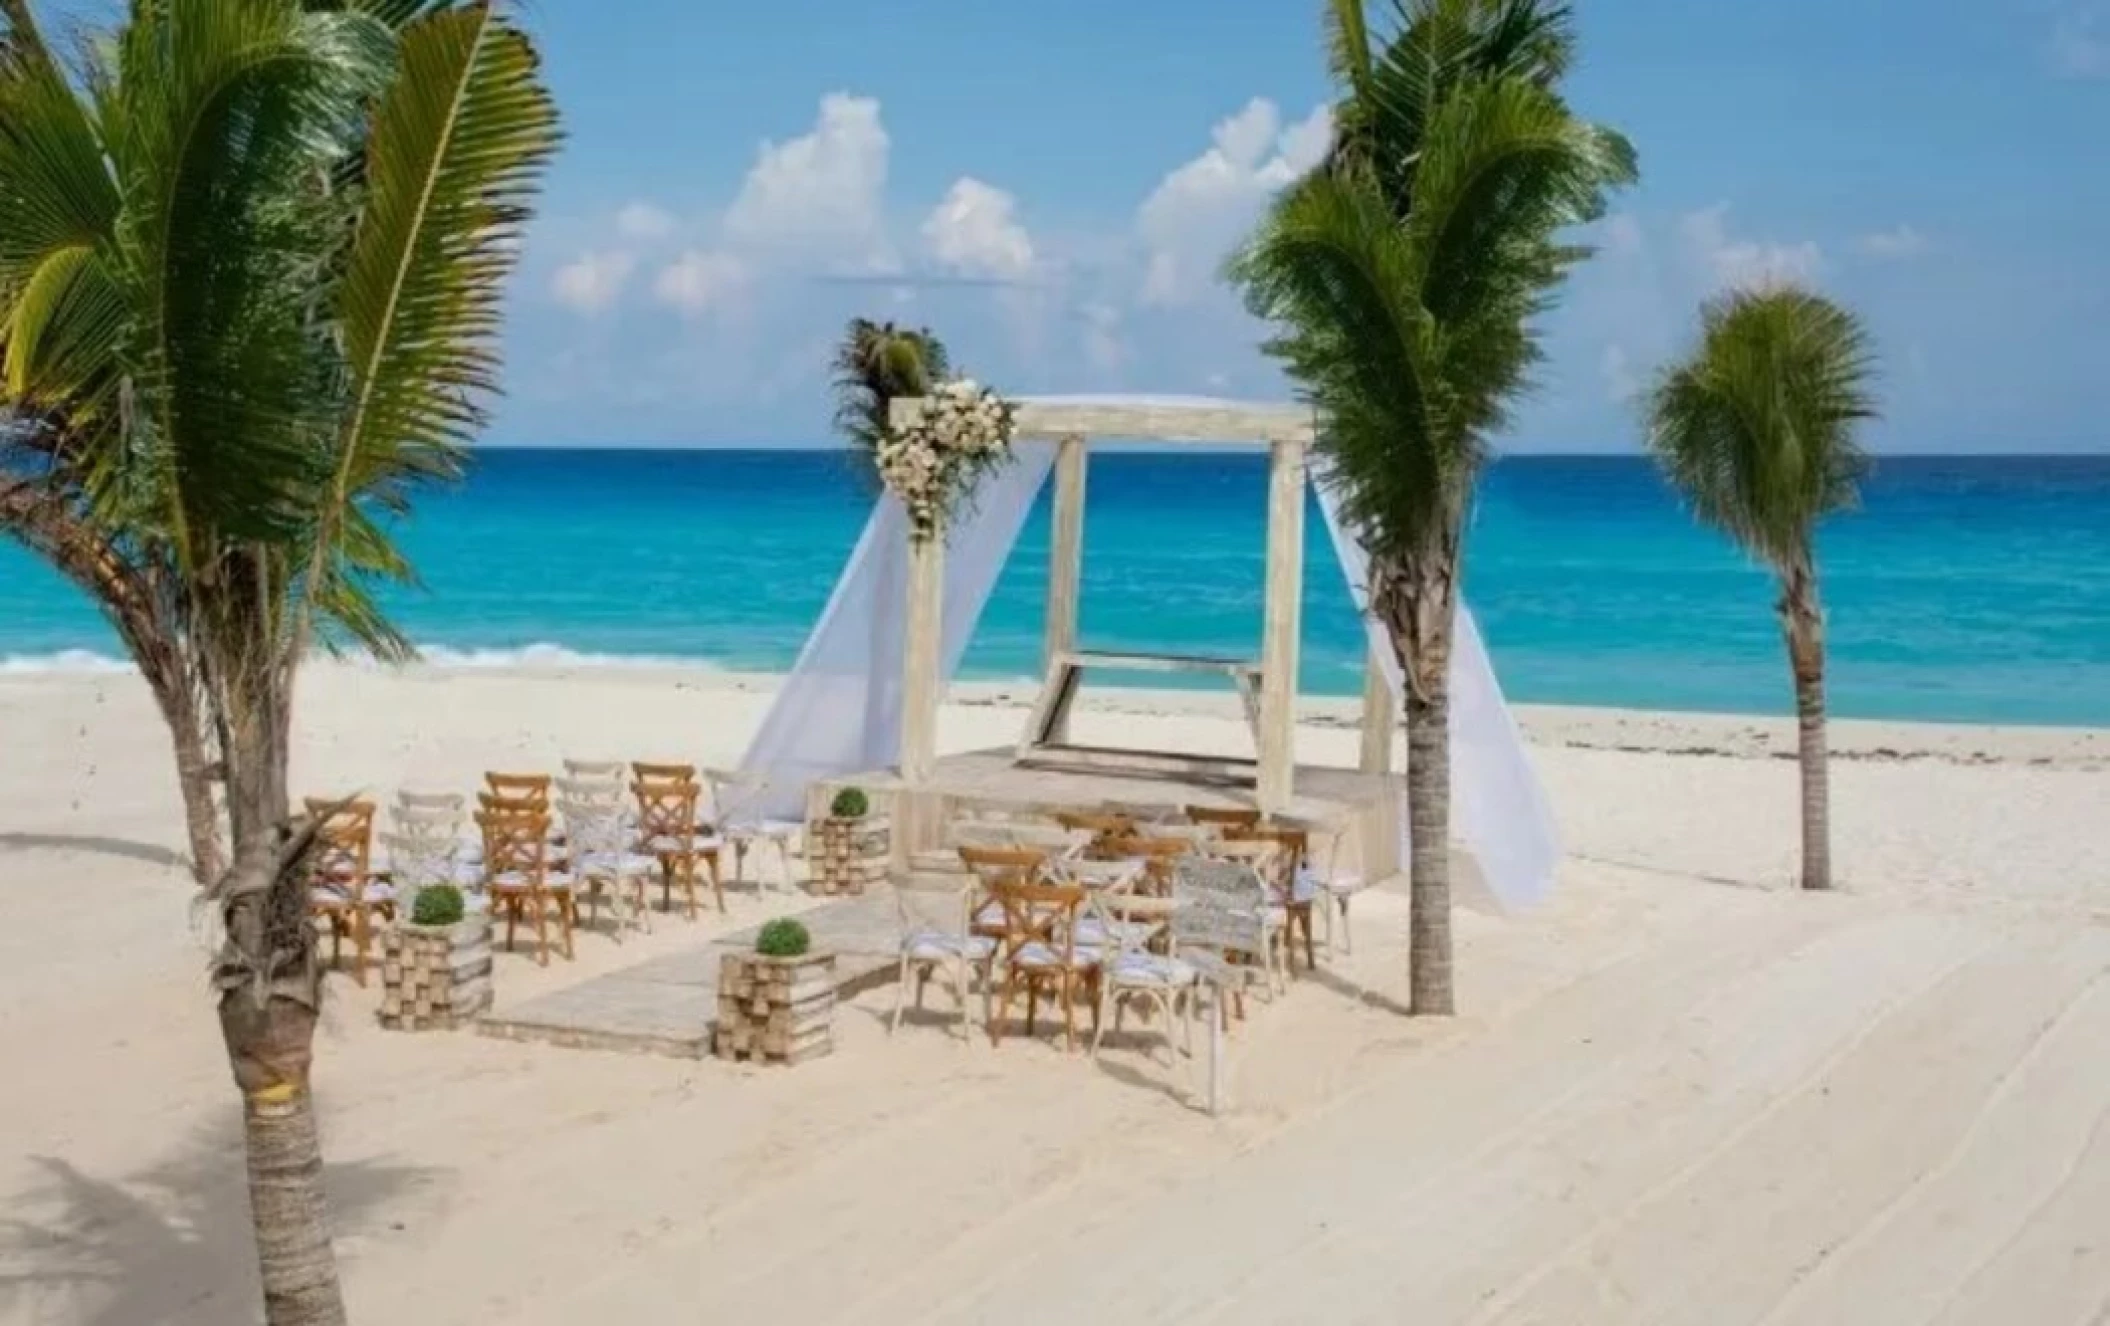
column 975, row 231
column 1616, row 367
column 1200, row 211
column 644, row 221
column 1105, row 348
column 1622, row 234
column 1731, row 262
column 699, row 281
column 1902, row 242
column 821, row 195
column 592, row 282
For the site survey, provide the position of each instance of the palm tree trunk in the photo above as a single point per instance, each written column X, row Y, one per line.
column 1430, row 992
column 1803, row 623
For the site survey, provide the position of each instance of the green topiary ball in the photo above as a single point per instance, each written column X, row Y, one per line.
column 849, row 804
column 440, row 904
column 783, row 938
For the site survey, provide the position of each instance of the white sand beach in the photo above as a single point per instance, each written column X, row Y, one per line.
column 1680, row 1093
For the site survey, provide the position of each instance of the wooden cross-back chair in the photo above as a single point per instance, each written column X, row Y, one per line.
column 1291, row 880
column 1099, row 823
column 523, row 883
column 1224, row 817
column 1040, row 955
column 991, row 868
column 667, row 830
column 343, row 891
column 521, row 787
column 1156, row 854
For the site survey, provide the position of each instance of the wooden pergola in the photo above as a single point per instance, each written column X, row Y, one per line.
column 1268, row 686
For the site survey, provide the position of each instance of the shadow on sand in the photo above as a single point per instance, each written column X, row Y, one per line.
column 170, row 1244
column 119, row 847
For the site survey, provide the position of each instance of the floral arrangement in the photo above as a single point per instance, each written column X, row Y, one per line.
column 935, row 464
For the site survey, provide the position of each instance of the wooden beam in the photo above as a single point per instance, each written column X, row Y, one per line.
column 1380, row 716
column 920, row 682
column 1215, row 423
column 1065, row 558
column 1279, row 632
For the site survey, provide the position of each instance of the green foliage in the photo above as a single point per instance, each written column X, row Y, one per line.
column 1757, row 426
column 850, row 804
column 877, row 364
column 1405, row 274
column 438, row 904
column 783, row 938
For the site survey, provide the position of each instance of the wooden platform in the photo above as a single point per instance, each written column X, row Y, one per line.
column 1364, row 807
column 667, row 1005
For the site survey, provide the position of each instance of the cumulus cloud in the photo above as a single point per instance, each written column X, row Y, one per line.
column 1200, row 211
column 700, row 281
column 1732, row 262
column 644, row 221
column 1902, row 242
column 976, row 232
column 1105, row 346
column 822, row 194
column 592, row 282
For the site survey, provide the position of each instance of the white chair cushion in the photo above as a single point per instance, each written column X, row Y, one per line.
column 1304, row 885
column 934, row 946
column 1037, row 954
column 1151, row 969
column 1094, row 933
column 1342, row 886
column 990, row 913
column 614, row 863
column 699, row 843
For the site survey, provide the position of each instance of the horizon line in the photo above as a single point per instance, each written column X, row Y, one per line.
column 1632, row 453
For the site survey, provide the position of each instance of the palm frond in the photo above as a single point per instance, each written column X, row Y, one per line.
column 1347, row 26
column 457, row 150
column 1757, row 427
column 232, row 114
column 877, row 364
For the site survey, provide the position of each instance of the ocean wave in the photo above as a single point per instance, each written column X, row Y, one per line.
column 65, row 660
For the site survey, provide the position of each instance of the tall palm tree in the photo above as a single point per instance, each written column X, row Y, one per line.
column 876, row 364
column 1404, row 275
column 1757, row 429
column 251, row 260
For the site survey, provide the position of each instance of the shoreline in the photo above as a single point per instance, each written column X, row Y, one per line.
column 1573, row 727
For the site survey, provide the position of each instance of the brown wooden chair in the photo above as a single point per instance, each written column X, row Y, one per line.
column 993, row 867
column 522, row 787
column 1296, row 858
column 667, row 829
column 1100, row 824
column 520, row 878
column 1157, row 855
column 1224, row 817
column 343, row 891
column 1040, row 955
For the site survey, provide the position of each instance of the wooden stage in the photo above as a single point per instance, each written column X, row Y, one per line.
column 1362, row 808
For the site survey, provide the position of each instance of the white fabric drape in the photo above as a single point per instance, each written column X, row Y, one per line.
column 840, row 709
column 1500, row 809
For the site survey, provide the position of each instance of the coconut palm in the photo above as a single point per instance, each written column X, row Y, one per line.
column 251, row 259
column 1757, row 430
column 876, row 364
column 1403, row 277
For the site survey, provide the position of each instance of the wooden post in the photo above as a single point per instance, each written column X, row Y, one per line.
column 1380, row 717
column 920, row 684
column 1065, row 562
column 1284, row 611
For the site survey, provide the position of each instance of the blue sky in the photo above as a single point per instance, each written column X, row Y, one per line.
column 1052, row 188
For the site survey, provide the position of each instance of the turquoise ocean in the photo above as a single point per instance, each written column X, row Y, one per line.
column 1965, row 589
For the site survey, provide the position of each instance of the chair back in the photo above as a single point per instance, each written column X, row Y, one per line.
column 1295, row 841
column 597, row 790
column 1267, row 858
column 666, row 812
column 598, row 771
column 516, row 842
column 1219, row 907
column 344, row 844
column 1039, row 913
column 408, row 799
column 1224, row 817
column 494, row 801
column 1004, row 865
column 594, row 826
column 428, row 821
column 1157, row 855
column 1099, row 823
column 521, row 787
column 419, row 861
column 663, row 773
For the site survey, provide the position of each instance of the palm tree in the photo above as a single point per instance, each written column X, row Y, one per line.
column 876, row 364
column 251, row 260
column 1757, row 429
column 1403, row 276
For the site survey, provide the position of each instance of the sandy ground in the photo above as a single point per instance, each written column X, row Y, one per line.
column 1679, row 1093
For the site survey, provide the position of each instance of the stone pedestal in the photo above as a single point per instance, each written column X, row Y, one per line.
column 778, row 1010
column 435, row 978
column 849, row 855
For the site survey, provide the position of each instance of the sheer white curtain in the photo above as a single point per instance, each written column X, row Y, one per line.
column 840, row 709
column 1500, row 809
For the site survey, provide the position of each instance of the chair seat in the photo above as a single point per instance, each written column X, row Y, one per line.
column 614, row 863
column 1047, row 957
column 1153, row 970
column 513, row 881
column 1094, row 933
column 671, row 844
column 1343, row 886
column 327, row 895
column 990, row 913
column 936, row 946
